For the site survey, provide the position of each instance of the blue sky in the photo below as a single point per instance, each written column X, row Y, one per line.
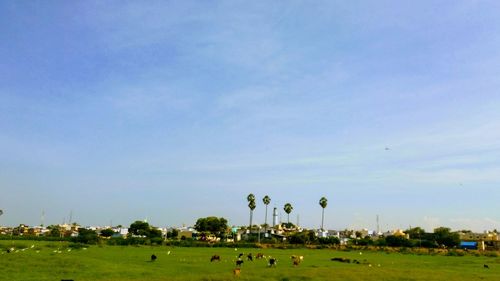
column 171, row 111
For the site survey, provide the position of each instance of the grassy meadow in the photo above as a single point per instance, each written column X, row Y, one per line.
column 55, row 261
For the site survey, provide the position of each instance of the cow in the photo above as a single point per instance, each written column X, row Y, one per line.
column 342, row 260
column 239, row 262
column 250, row 257
column 215, row 258
column 272, row 262
column 153, row 257
column 259, row 256
column 296, row 260
column 237, row 272
column 485, row 266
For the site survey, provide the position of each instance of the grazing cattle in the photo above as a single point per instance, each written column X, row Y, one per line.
column 250, row 257
column 237, row 272
column 296, row 260
column 272, row 262
column 259, row 256
column 153, row 257
column 240, row 255
column 215, row 258
column 341, row 260
column 486, row 266
column 239, row 262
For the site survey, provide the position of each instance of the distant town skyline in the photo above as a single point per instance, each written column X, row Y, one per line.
column 121, row 111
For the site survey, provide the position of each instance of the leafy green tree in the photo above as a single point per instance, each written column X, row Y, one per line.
column 141, row 228
column 415, row 232
column 288, row 208
column 108, row 232
column 154, row 233
column 54, row 231
column 304, row 237
column 266, row 200
column 397, row 241
column 444, row 236
column 323, row 202
column 332, row 240
column 174, row 233
column 365, row 241
column 214, row 225
column 86, row 236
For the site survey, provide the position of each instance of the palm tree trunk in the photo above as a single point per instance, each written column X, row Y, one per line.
column 322, row 219
column 265, row 220
column 251, row 214
column 288, row 218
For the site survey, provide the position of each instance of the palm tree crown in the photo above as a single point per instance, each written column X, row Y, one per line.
column 323, row 202
column 250, row 197
column 251, row 205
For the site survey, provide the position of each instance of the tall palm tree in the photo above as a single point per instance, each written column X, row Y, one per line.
column 251, row 205
column 266, row 201
column 288, row 209
column 323, row 202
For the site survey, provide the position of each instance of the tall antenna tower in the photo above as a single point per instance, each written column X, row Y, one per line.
column 378, row 226
column 298, row 217
column 70, row 216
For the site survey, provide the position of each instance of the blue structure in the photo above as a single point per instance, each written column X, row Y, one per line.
column 468, row 245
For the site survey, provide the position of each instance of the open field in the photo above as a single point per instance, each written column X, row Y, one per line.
column 54, row 261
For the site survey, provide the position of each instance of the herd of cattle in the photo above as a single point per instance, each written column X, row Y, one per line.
column 271, row 261
column 250, row 257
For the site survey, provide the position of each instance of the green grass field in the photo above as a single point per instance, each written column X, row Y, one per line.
column 54, row 261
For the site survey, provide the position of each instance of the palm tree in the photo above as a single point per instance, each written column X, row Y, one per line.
column 266, row 201
column 323, row 202
column 288, row 209
column 251, row 205
column 250, row 197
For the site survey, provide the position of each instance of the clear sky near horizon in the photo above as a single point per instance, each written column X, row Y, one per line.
column 175, row 110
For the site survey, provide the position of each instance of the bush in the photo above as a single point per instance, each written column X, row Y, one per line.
column 491, row 254
column 76, row 245
column 398, row 241
column 329, row 241
column 456, row 253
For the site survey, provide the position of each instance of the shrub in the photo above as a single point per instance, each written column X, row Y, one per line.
column 491, row 254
